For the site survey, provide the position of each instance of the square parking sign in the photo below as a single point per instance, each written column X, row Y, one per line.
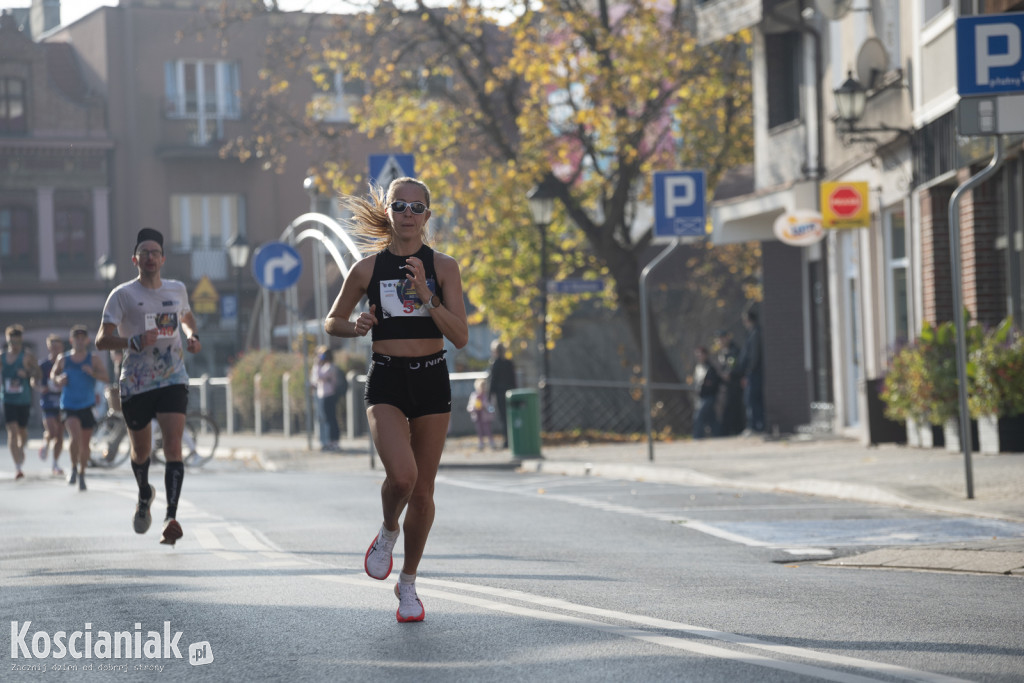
column 989, row 58
column 679, row 204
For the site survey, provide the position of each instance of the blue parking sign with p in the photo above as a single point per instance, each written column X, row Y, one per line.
column 679, row 204
column 990, row 54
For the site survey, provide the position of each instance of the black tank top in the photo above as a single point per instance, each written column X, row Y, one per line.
column 400, row 313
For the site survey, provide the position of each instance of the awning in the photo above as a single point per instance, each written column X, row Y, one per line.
column 749, row 217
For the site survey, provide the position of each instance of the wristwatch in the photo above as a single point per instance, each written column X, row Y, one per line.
column 429, row 303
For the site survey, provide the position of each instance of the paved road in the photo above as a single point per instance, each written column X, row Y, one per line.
column 529, row 576
column 896, row 476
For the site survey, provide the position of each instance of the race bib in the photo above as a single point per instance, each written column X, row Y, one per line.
column 166, row 324
column 398, row 298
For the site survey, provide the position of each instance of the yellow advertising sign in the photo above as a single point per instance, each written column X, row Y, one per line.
column 845, row 205
column 205, row 297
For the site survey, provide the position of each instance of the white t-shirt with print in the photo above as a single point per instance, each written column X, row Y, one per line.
column 135, row 309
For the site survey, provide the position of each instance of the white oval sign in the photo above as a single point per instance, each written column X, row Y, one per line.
column 800, row 228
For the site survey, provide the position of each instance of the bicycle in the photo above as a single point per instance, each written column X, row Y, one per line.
column 110, row 445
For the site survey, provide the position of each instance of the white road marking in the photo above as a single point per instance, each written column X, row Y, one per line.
column 661, row 516
column 208, row 540
column 672, row 641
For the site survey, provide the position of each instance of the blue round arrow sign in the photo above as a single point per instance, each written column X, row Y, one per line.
column 276, row 266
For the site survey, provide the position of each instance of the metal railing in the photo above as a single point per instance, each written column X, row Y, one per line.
column 572, row 406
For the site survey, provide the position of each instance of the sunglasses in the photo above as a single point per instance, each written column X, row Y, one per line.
column 416, row 207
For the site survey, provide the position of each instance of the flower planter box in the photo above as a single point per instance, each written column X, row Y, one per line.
column 951, row 433
column 1001, row 435
column 1011, row 434
column 913, row 434
column 924, row 434
column 988, row 434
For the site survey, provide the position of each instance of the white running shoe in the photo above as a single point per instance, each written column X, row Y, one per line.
column 378, row 561
column 409, row 606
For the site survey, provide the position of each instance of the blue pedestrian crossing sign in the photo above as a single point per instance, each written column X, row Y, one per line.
column 276, row 266
column 387, row 167
column 679, row 204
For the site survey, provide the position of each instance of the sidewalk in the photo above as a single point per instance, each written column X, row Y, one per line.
column 926, row 479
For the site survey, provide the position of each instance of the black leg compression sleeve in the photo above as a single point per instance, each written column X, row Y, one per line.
column 142, row 477
column 174, row 473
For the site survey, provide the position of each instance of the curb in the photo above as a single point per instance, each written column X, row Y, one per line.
column 862, row 493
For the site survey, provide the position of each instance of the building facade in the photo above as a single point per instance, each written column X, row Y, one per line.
column 55, row 186
column 117, row 121
column 860, row 293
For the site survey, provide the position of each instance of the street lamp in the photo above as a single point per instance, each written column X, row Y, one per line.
column 851, row 99
column 107, row 268
column 238, row 253
column 541, row 200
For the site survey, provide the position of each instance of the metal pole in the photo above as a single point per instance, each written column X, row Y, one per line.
column 306, row 391
column 545, row 407
column 265, row 328
column 958, row 304
column 238, row 311
column 645, row 341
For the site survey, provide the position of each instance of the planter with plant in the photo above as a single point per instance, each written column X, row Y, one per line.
column 996, row 370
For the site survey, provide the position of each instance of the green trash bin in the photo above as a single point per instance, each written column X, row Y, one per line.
column 523, row 410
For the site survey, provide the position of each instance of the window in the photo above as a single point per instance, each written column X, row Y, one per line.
column 17, row 240
column 782, row 61
column 933, row 8
column 436, row 85
column 205, row 92
column 204, row 221
column 332, row 104
column 72, row 231
column 897, row 265
column 201, row 225
column 12, row 106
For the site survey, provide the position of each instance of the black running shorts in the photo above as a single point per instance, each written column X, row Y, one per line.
column 16, row 413
column 84, row 416
column 416, row 386
column 140, row 409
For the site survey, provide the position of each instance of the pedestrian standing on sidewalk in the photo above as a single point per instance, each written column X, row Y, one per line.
column 415, row 300
column 19, row 371
column 750, row 368
column 481, row 412
column 706, row 383
column 49, row 405
column 330, row 384
column 76, row 373
column 501, row 376
column 145, row 317
column 732, row 410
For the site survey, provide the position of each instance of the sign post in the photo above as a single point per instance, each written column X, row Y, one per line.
column 845, row 205
column 387, row 167
column 680, row 212
column 680, row 204
column 276, row 266
column 990, row 73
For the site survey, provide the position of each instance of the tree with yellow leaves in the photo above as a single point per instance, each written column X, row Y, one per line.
column 492, row 100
